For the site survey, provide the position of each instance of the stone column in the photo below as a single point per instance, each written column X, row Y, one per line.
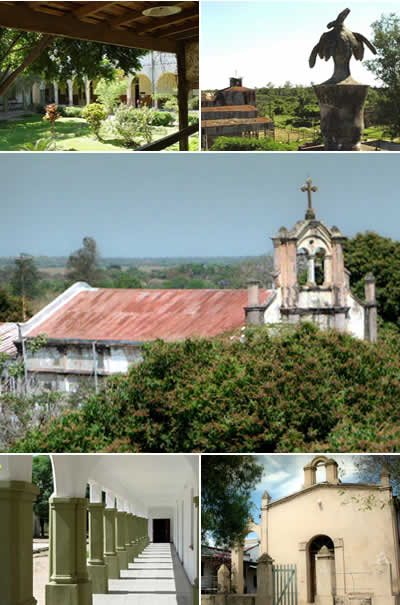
column 69, row 581
column 237, row 569
column 309, row 476
column 70, row 92
column 371, row 308
column 328, row 270
column 128, row 539
column 331, row 469
column 87, row 90
column 224, row 581
column 266, row 499
column 325, row 575
column 97, row 568
column 110, row 553
column 129, row 95
column 120, row 536
column 265, row 586
column 56, row 96
column 311, row 270
column 16, row 501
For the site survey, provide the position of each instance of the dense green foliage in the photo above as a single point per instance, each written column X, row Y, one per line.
column 109, row 92
column 42, row 476
column 11, row 307
column 244, row 144
column 94, row 114
column 133, row 124
column 162, row 118
column 226, row 486
column 386, row 67
column 371, row 252
column 25, row 277
column 298, row 390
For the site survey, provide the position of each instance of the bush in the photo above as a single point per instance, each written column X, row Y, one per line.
column 162, row 118
column 72, row 112
column 133, row 125
column 193, row 119
column 109, row 93
column 94, row 114
column 295, row 389
column 243, row 144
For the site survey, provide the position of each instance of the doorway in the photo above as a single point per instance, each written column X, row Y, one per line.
column 313, row 548
column 161, row 531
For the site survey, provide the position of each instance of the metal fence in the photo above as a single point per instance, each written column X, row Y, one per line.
column 285, row 584
column 209, row 584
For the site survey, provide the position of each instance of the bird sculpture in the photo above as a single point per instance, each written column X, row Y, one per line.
column 341, row 44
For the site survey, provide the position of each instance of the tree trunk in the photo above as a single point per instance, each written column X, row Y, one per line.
column 33, row 55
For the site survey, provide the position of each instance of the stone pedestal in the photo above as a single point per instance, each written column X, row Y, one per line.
column 265, row 584
column 69, row 581
column 97, row 568
column 342, row 115
column 16, row 583
column 110, row 553
column 120, row 525
column 237, row 569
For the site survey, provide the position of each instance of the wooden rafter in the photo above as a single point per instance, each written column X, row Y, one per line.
column 183, row 16
column 91, row 8
column 125, row 18
column 21, row 16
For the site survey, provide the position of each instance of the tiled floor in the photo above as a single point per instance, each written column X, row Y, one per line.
column 156, row 577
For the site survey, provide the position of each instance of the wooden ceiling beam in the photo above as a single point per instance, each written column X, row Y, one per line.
column 91, row 8
column 176, row 31
column 156, row 24
column 24, row 18
column 126, row 18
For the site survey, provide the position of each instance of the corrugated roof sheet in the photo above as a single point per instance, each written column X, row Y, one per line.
column 144, row 315
column 8, row 334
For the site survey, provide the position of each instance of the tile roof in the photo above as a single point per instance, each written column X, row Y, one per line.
column 8, row 334
column 145, row 315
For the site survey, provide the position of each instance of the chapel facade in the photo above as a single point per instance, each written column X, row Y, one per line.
column 342, row 537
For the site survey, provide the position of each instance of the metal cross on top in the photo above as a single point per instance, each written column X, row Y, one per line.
column 310, row 214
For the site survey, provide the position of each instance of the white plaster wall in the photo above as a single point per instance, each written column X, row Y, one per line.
column 312, row 298
column 325, row 510
column 356, row 321
column 272, row 314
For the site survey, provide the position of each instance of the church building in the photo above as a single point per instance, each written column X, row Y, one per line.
column 92, row 333
column 342, row 537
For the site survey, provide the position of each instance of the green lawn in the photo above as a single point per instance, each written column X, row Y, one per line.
column 72, row 134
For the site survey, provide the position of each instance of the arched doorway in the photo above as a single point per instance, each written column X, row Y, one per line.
column 313, row 548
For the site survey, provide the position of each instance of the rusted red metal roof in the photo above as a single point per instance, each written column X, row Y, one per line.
column 8, row 334
column 233, row 121
column 145, row 315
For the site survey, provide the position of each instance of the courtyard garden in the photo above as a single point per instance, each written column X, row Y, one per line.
column 74, row 133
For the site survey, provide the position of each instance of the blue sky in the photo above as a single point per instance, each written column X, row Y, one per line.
column 271, row 40
column 151, row 205
column 284, row 475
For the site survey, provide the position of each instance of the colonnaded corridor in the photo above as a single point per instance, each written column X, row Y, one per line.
column 156, row 577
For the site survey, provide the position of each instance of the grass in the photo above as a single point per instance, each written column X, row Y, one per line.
column 71, row 134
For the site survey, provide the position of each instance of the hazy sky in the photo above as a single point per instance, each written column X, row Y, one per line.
column 151, row 205
column 271, row 40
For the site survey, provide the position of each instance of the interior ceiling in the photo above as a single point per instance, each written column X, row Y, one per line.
column 152, row 480
column 115, row 22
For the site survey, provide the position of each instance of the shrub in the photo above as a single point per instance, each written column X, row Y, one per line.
column 72, row 112
column 244, row 144
column 194, row 103
column 294, row 389
column 109, row 93
column 95, row 114
column 193, row 119
column 51, row 116
column 162, row 118
column 133, row 124
column 40, row 145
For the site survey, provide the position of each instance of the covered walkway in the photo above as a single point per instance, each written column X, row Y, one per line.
column 134, row 541
column 156, row 577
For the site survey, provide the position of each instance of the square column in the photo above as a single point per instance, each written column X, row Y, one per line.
column 97, row 568
column 110, row 552
column 69, row 581
column 120, row 537
column 16, row 577
column 128, row 541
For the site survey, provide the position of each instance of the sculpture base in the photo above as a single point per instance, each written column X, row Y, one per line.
column 342, row 115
